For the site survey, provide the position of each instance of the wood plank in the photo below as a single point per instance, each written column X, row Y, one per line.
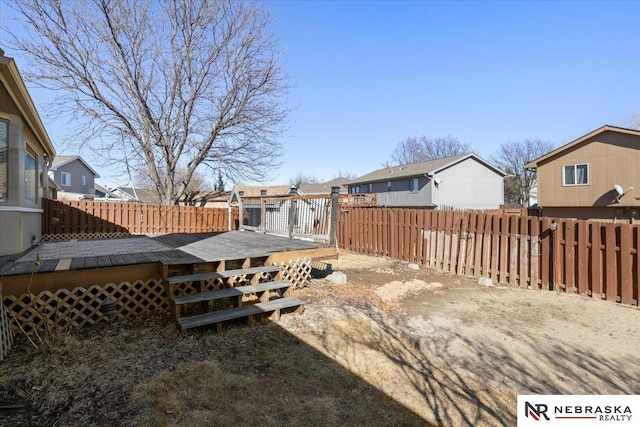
column 557, row 255
column 495, row 248
column 478, row 240
column 569, row 256
column 222, row 274
column 232, row 292
column 91, row 262
column 636, row 282
column 238, row 312
column 77, row 264
column 582, row 258
column 524, row 241
column 546, row 268
column 446, row 253
column 512, row 262
column 463, row 240
column 597, row 280
column 503, row 258
column 104, row 261
column 611, row 270
column 534, row 252
column 469, row 262
column 626, row 258
column 486, row 247
column 48, row 265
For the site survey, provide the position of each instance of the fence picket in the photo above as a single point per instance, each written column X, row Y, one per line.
column 626, row 273
column 597, row 283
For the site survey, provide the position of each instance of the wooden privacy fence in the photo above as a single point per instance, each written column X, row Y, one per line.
column 89, row 217
column 585, row 257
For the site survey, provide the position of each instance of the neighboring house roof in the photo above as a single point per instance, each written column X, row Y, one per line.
column 60, row 161
column 255, row 190
column 99, row 188
column 325, row 187
column 136, row 194
column 421, row 168
column 203, row 196
column 560, row 150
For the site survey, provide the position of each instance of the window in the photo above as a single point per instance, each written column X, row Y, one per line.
column 65, row 179
column 413, row 185
column 30, row 177
column 370, row 188
column 355, row 190
column 241, row 193
column 263, row 192
column 576, row 174
column 4, row 130
column 388, row 185
column 84, row 180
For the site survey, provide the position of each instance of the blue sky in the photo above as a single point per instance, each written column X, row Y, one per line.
column 367, row 75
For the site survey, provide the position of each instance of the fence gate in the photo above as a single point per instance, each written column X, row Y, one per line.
column 309, row 217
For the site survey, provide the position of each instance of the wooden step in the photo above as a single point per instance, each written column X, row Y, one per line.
column 238, row 291
column 217, row 317
column 221, row 274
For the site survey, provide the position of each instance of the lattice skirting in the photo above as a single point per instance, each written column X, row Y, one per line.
column 296, row 271
column 80, row 307
column 82, row 236
column 6, row 334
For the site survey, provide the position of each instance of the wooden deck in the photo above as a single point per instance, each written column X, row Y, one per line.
column 135, row 257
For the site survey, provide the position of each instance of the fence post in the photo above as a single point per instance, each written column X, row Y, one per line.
column 292, row 210
column 333, row 224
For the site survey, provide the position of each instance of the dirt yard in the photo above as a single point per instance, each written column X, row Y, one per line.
column 394, row 346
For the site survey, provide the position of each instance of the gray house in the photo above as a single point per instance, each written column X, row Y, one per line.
column 74, row 177
column 465, row 181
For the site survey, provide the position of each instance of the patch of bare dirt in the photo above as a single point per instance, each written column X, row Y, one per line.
column 393, row 346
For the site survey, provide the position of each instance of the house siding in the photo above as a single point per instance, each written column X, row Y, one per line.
column 76, row 168
column 401, row 196
column 20, row 218
column 613, row 158
column 469, row 185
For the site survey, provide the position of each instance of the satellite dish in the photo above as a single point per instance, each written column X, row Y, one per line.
column 618, row 189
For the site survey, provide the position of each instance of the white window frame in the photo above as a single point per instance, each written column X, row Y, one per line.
column 388, row 185
column 369, row 188
column 63, row 180
column 84, row 180
column 575, row 175
column 414, row 185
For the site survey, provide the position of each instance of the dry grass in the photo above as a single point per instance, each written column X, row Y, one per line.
column 144, row 373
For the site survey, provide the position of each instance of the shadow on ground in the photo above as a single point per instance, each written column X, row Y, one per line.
column 145, row 373
column 457, row 381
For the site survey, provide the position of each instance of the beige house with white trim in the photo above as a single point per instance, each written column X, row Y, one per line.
column 596, row 176
column 25, row 154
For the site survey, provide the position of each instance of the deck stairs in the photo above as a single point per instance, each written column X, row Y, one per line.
column 215, row 293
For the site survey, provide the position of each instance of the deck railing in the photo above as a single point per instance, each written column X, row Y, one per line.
column 300, row 216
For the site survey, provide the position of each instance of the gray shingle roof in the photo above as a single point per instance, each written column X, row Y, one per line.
column 411, row 169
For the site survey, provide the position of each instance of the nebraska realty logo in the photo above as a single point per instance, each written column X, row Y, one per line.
column 588, row 410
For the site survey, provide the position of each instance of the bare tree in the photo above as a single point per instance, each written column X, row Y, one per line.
column 632, row 122
column 301, row 178
column 198, row 182
column 414, row 150
column 162, row 85
column 511, row 158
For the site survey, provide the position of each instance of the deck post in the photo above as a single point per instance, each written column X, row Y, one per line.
column 333, row 225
